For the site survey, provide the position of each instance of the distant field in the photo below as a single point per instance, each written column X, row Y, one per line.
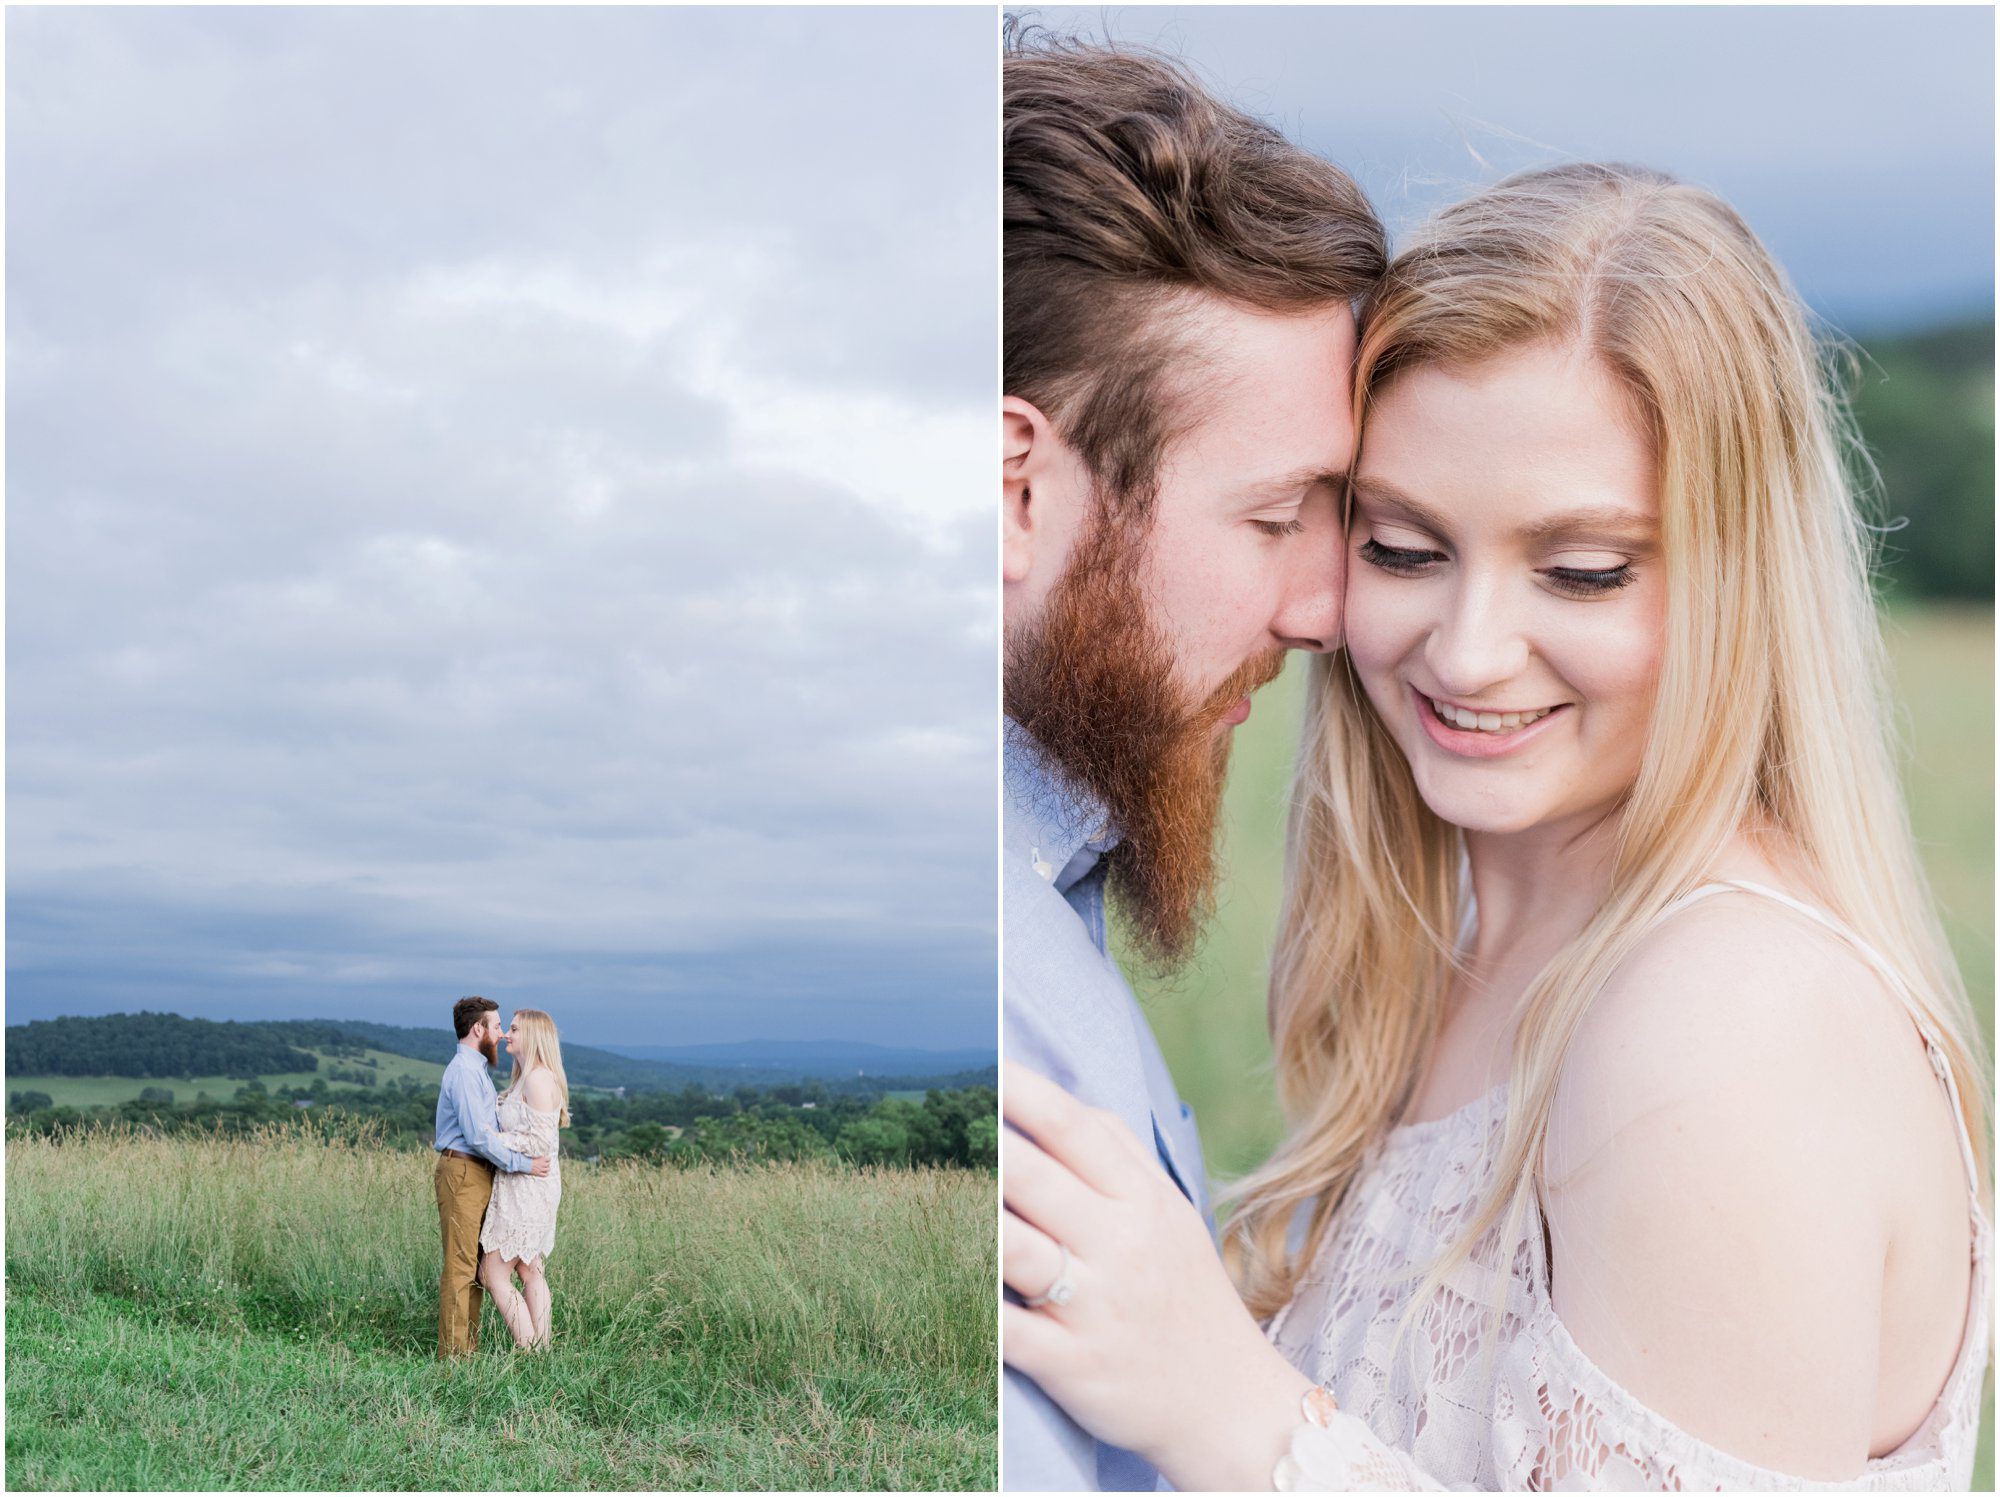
column 195, row 1314
column 107, row 1091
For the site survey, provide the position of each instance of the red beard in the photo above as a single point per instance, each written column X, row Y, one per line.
column 1092, row 682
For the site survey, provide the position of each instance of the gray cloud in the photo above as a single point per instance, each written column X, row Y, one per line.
column 1857, row 140
column 496, row 492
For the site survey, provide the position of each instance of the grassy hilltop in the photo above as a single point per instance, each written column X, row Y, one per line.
column 384, row 1069
column 194, row 1313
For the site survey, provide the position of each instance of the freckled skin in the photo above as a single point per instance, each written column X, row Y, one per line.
column 1489, row 452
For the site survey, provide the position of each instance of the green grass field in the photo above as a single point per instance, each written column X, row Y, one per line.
column 189, row 1313
column 108, row 1091
column 1210, row 1017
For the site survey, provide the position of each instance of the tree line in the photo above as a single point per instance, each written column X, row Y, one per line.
column 950, row 1127
column 1924, row 406
column 168, row 1047
column 153, row 1045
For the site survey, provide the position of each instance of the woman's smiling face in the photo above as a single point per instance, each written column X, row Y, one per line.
column 1505, row 601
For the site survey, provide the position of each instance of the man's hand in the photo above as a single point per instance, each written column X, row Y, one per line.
column 540, row 1167
column 1155, row 1351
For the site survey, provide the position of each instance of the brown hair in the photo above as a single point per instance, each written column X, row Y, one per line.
column 465, row 1013
column 1127, row 188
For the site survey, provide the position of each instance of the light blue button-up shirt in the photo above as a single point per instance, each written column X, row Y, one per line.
column 1070, row 1014
column 468, row 1113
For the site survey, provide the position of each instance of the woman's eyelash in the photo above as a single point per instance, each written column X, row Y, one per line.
column 1396, row 558
column 1575, row 582
column 1279, row 527
column 1585, row 584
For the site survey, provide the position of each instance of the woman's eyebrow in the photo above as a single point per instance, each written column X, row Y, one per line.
column 1590, row 519
column 1594, row 519
column 1378, row 491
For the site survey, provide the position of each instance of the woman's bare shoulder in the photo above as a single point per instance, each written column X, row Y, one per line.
column 1729, row 1149
column 1739, row 992
column 540, row 1089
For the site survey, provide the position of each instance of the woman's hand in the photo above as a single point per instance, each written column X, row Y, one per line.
column 1153, row 1351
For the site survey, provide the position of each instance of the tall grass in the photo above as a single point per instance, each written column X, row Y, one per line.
column 788, row 1325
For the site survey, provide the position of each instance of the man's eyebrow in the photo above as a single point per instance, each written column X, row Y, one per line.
column 1285, row 486
column 1590, row 519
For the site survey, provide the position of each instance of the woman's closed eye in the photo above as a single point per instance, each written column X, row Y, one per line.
column 1589, row 573
column 1400, row 561
column 1573, row 581
column 1584, row 582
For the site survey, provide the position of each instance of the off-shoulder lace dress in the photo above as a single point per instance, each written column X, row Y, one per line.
column 521, row 1216
column 1509, row 1402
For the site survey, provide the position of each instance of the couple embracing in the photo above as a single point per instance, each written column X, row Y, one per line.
column 1636, row 1120
column 498, row 1182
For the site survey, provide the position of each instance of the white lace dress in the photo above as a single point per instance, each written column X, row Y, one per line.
column 521, row 1216
column 1453, row 1410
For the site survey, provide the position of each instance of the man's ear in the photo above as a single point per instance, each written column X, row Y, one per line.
column 1028, row 451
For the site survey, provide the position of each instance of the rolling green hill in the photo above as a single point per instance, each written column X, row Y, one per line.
column 107, row 1059
column 108, row 1091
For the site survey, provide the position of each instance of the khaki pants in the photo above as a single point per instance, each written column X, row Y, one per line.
column 463, row 1188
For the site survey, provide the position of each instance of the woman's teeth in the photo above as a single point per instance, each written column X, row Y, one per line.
column 1487, row 722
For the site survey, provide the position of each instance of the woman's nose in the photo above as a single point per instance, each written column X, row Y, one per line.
column 1478, row 643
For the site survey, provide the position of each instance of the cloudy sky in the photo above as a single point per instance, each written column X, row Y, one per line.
column 1857, row 140
column 498, row 500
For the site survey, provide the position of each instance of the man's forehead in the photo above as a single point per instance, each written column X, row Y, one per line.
column 1275, row 400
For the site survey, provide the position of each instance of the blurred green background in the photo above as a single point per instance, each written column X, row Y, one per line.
column 1925, row 405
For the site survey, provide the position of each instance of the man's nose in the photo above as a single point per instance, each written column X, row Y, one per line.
column 1475, row 645
column 1309, row 613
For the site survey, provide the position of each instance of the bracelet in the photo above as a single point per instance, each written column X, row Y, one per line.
column 1317, row 1407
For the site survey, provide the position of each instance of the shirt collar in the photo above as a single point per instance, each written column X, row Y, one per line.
column 1069, row 828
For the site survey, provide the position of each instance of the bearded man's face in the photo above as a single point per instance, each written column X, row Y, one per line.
column 1173, row 605
column 1094, row 681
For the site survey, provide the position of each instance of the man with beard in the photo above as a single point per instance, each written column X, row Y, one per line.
column 1179, row 282
column 468, row 1117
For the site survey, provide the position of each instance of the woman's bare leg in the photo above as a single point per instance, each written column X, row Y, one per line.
column 499, row 1282
column 535, row 1289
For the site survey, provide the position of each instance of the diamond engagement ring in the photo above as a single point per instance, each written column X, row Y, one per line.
column 1061, row 1291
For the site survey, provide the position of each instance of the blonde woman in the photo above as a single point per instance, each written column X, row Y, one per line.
column 1637, row 1121
column 520, row 1227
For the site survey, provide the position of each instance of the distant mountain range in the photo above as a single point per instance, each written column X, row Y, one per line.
column 165, row 1045
column 815, row 1058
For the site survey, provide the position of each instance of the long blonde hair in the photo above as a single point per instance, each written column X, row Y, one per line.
column 541, row 1048
column 1771, row 636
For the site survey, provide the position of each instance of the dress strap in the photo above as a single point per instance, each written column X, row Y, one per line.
column 1933, row 1046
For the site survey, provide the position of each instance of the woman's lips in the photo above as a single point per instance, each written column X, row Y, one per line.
column 1477, row 743
column 1238, row 713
